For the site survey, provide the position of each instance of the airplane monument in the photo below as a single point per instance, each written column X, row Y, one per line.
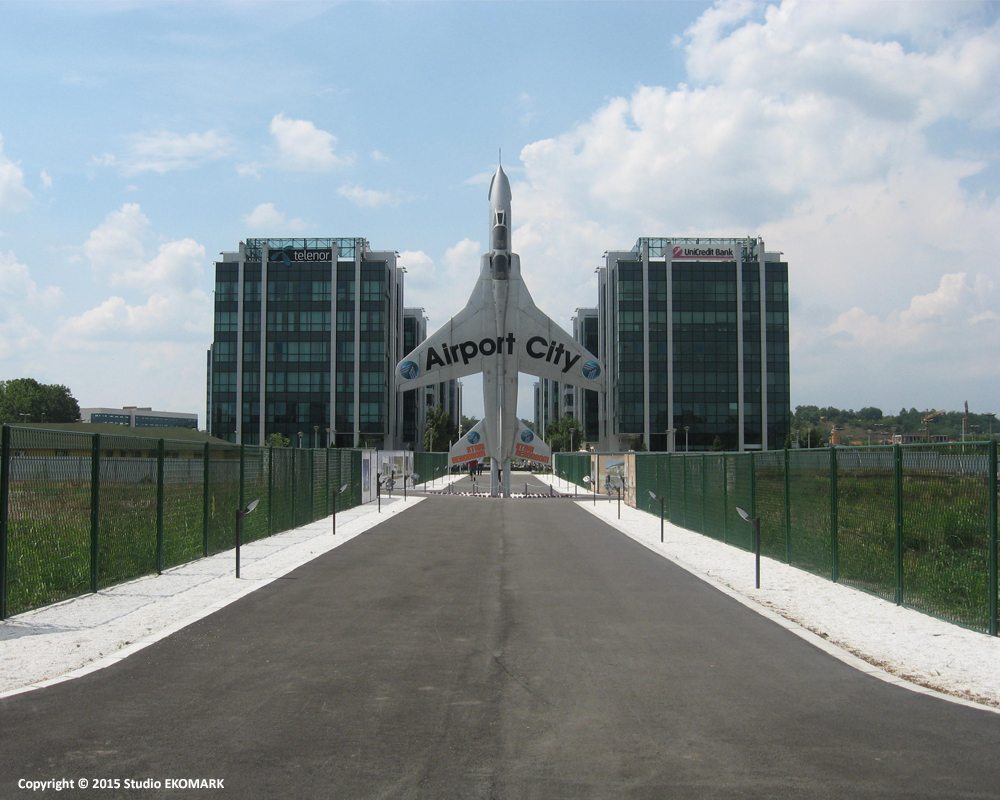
column 499, row 333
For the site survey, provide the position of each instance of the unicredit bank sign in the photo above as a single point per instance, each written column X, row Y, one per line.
column 706, row 253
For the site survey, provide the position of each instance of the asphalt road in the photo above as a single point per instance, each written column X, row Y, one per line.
column 483, row 648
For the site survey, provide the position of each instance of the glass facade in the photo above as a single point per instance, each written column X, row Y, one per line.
column 695, row 339
column 306, row 333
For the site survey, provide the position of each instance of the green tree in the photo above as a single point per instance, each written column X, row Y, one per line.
column 529, row 425
column 564, row 435
column 278, row 440
column 468, row 423
column 27, row 400
column 717, row 446
column 440, row 431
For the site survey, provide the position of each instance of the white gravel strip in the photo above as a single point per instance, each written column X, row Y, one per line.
column 894, row 643
column 78, row 636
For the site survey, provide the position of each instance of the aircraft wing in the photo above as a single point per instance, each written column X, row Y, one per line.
column 529, row 445
column 445, row 354
column 547, row 351
column 471, row 447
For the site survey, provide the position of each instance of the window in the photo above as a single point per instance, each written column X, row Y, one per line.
column 345, row 350
column 345, row 290
column 298, row 320
column 224, row 382
column 345, row 320
column 225, row 291
column 224, row 351
column 297, row 351
column 373, row 321
column 226, row 321
column 298, row 381
column 372, row 290
column 251, row 291
column 372, row 351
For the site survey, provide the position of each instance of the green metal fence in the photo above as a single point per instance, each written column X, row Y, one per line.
column 79, row 512
column 913, row 524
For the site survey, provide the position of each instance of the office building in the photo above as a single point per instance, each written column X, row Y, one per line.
column 554, row 400
column 136, row 417
column 694, row 335
column 306, row 334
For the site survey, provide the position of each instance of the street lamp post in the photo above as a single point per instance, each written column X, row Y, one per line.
column 686, row 429
column 671, row 432
column 300, row 440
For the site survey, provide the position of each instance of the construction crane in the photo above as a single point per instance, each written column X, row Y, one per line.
column 927, row 423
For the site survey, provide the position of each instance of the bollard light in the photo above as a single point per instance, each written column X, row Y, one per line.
column 336, row 494
column 755, row 526
column 239, row 530
column 660, row 499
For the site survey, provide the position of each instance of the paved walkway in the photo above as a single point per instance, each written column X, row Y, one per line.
column 479, row 648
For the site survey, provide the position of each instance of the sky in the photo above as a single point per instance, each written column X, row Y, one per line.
column 138, row 140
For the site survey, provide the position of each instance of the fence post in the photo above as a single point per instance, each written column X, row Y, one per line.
column 684, row 470
column 295, row 494
column 725, row 498
column 312, row 485
column 898, row 470
column 788, row 509
column 704, row 490
column 204, row 501
column 270, row 491
column 4, row 500
column 992, row 477
column 159, row 507
column 834, row 541
column 95, row 507
column 753, row 491
column 243, row 502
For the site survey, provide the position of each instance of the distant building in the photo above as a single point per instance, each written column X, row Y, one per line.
column 554, row 400
column 136, row 417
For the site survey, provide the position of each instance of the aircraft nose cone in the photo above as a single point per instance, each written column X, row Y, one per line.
column 499, row 188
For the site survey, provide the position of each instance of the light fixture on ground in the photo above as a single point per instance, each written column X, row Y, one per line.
column 239, row 531
column 337, row 494
column 660, row 500
column 755, row 525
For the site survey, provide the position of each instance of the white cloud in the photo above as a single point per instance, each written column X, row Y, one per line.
column 251, row 169
column 369, row 198
column 171, row 317
column 808, row 124
column 266, row 218
column 166, row 151
column 458, row 269
column 46, row 179
column 116, row 250
column 14, row 197
column 303, row 146
column 17, row 288
column 378, row 156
